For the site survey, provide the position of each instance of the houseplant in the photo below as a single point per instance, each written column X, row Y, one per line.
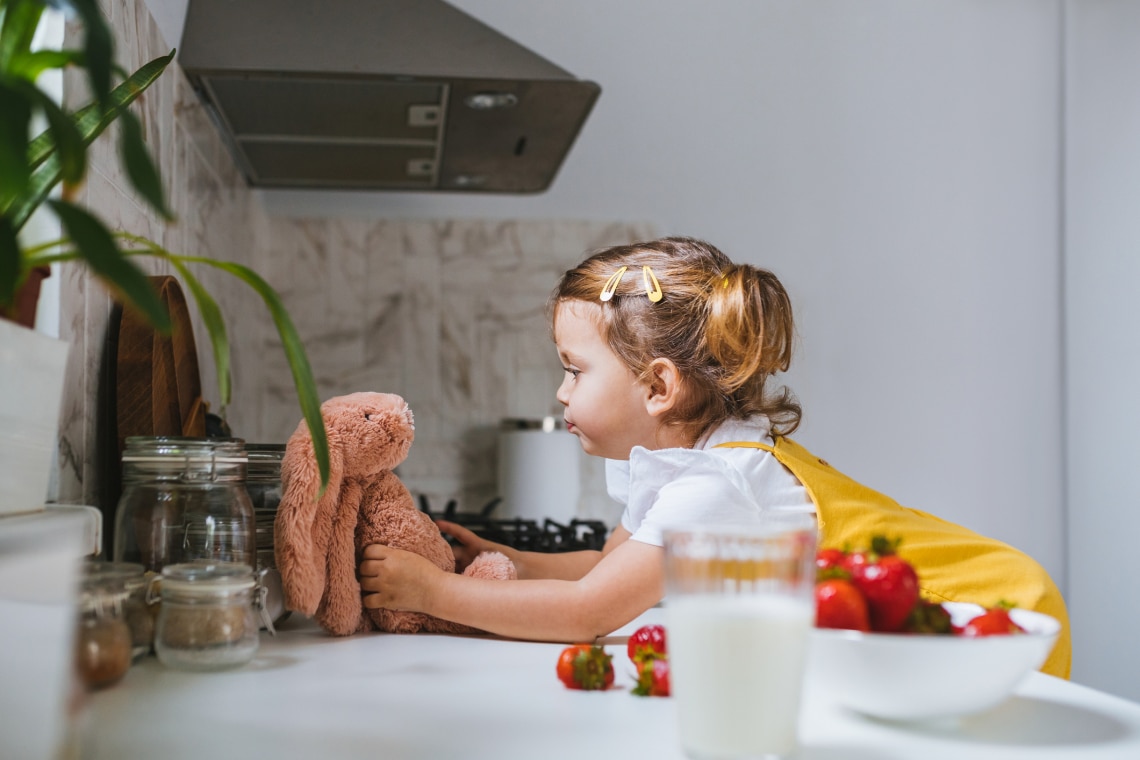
column 30, row 170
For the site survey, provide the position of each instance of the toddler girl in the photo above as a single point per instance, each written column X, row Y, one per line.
column 669, row 350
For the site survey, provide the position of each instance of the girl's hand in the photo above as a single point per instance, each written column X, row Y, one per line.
column 470, row 545
column 397, row 579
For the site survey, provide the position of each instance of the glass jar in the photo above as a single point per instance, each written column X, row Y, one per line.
column 103, row 640
column 128, row 582
column 208, row 619
column 263, row 482
column 184, row 499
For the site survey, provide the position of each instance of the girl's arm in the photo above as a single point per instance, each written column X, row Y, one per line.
column 568, row 566
column 626, row 581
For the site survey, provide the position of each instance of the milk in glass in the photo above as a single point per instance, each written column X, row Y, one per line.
column 737, row 665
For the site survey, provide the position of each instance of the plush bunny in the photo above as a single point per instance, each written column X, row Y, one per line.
column 318, row 541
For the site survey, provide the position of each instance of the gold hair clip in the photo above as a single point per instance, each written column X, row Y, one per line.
column 652, row 286
column 611, row 285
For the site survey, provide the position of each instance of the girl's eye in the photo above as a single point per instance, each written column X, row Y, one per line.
column 572, row 372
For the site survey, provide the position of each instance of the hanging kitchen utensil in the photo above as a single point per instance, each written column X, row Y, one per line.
column 159, row 389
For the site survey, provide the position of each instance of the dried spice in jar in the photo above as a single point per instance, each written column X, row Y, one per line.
column 129, row 582
column 208, row 618
column 103, row 641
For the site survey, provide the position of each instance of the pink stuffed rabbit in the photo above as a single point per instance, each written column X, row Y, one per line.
column 318, row 541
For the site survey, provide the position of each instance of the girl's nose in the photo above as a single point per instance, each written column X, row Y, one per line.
column 562, row 394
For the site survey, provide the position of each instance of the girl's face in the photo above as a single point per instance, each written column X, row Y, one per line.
column 605, row 404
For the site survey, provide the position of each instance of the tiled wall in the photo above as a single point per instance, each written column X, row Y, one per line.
column 448, row 314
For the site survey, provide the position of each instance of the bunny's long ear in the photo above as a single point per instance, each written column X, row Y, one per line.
column 303, row 524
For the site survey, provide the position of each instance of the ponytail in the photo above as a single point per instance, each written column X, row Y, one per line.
column 749, row 332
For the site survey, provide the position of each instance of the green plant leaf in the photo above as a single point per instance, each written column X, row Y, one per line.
column 215, row 326
column 96, row 246
column 140, row 168
column 21, row 17
column 98, row 48
column 91, row 121
column 9, row 264
column 29, row 66
column 69, row 143
column 15, row 116
column 294, row 352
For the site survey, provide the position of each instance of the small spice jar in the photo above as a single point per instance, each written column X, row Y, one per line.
column 103, row 641
column 208, row 619
column 127, row 582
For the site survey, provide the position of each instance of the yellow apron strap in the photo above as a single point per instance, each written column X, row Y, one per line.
column 745, row 445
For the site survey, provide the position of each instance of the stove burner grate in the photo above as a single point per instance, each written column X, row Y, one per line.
column 521, row 533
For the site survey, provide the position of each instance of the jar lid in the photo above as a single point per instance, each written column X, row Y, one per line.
column 207, row 577
column 141, row 448
column 265, row 451
column 124, row 575
column 265, row 460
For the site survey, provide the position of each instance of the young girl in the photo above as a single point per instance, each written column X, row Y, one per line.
column 669, row 350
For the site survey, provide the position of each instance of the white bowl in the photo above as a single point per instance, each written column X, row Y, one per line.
column 918, row 676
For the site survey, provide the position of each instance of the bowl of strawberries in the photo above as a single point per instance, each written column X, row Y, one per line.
column 879, row 649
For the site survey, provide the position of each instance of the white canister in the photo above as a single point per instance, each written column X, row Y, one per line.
column 538, row 470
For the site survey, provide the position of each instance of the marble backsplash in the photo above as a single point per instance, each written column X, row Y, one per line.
column 447, row 313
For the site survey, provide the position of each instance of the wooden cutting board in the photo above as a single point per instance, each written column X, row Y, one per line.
column 158, row 386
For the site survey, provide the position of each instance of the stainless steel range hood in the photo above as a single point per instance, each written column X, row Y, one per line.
column 380, row 94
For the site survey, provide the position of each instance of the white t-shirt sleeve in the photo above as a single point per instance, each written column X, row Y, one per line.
column 681, row 487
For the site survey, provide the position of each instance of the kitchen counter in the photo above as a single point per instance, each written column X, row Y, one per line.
column 309, row 695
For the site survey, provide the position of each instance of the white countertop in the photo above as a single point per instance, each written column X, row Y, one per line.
column 309, row 695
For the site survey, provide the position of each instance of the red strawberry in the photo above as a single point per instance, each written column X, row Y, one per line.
column 838, row 604
column 826, row 560
column 887, row 580
column 992, row 622
column 652, row 677
column 585, row 666
column 646, row 641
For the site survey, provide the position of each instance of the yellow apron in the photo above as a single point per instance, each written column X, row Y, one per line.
column 953, row 564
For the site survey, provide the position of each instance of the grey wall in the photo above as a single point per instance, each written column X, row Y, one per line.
column 946, row 188
column 1102, row 332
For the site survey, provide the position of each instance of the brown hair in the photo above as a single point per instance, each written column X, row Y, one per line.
column 728, row 327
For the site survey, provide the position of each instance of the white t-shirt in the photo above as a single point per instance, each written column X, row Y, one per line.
column 669, row 488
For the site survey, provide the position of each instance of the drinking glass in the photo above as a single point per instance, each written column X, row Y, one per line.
column 738, row 609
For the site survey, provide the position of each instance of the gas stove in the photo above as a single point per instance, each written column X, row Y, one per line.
column 520, row 533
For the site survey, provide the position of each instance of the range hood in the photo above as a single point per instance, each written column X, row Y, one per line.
column 380, row 94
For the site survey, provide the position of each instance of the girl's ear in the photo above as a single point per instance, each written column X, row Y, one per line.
column 663, row 391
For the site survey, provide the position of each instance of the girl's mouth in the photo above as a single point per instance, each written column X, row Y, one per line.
column 569, row 426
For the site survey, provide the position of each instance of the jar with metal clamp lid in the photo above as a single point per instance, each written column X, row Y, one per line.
column 210, row 617
column 184, row 499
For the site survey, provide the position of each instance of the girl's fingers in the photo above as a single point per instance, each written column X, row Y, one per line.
column 463, row 535
column 375, row 551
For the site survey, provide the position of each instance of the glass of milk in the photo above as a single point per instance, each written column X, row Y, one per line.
column 738, row 610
